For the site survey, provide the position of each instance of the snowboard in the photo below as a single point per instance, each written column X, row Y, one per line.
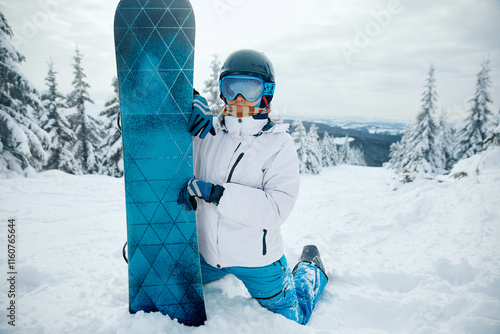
column 154, row 44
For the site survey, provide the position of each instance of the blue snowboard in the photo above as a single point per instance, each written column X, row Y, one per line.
column 154, row 42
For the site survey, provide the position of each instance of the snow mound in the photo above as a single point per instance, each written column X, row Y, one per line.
column 487, row 164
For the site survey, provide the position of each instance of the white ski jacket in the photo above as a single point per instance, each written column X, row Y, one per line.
column 258, row 167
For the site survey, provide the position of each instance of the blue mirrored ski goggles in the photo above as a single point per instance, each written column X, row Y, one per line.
column 252, row 88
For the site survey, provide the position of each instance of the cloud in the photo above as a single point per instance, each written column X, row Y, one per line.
column 332, row 57
column 384, row 70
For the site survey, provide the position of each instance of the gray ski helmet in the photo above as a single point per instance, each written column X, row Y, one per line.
column 249, row 62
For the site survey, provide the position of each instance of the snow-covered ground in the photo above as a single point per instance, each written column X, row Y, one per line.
column 423, row 257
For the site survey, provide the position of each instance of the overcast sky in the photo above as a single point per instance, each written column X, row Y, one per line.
column 338, row 58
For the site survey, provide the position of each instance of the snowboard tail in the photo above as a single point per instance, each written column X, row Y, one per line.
column 154, row 41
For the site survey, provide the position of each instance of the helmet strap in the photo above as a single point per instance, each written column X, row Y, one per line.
column 222, row 98
column 264, row 100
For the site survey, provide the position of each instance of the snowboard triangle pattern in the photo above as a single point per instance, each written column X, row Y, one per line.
column 154, row 42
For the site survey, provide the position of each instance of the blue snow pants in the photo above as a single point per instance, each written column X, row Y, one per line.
column 274, row 286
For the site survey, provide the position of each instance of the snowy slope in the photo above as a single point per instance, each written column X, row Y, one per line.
column 417, row 258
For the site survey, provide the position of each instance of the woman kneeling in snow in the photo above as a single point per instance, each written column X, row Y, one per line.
column 247, row 181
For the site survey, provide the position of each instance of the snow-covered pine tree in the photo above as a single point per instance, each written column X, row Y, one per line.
column 494, row 132
column 329, row 151
column 212, row 87
column 314, row 162
column 62, row 137
column 22, row 140
column 396, row 154
column 112, row 160
column 87, row 128
column 350, row 155
column 445, row 140
column 417, row 152
column 356, row 157
column 343, row 151
column 472, row 134
column 308, row 160
column 299, row 136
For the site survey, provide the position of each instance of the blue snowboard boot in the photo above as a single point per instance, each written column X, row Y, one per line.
column 310, row 254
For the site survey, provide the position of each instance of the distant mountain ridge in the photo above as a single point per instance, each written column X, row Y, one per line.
column 373, row 138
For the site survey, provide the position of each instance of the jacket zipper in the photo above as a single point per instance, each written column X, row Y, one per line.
column 234, row 166
column 264, row 245
column 229, row 180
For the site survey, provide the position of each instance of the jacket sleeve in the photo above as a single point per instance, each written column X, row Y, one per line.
column 268, row 207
